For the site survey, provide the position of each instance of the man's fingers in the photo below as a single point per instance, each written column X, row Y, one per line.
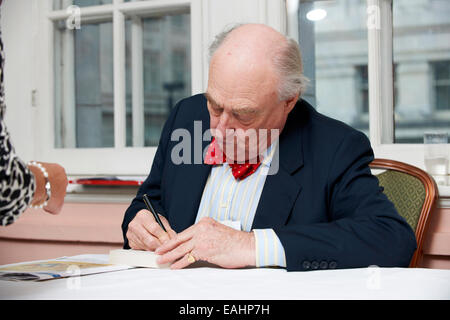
column 185, row 235
column 134, row 242
column 143, row 239
column 151, row 243
column 166, row 225
column 182, row 263
column 176, row 240
column 148, row 222
column 146, row 234
column 148, row 240
column 142, row 236
column 176, row 253
column 155, row 230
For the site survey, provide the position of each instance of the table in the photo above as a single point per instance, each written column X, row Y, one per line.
column 208, row 283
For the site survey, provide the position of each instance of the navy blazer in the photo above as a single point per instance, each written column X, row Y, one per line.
column 323, row 203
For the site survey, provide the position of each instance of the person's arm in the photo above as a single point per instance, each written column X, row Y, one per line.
column 364, row 229
column 55, row 175
column 24, row 185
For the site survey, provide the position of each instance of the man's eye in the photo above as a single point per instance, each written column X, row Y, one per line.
column 244, row 117
column 216, row 111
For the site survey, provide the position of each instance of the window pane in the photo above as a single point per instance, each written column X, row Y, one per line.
column 63, row 4
column 333, row 41
column 422, row 58
column 84, row 109
column 165, row 72
column 362, row 88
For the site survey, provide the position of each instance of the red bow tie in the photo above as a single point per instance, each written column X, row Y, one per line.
column 240, row 171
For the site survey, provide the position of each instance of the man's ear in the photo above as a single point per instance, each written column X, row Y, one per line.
column 290, row 103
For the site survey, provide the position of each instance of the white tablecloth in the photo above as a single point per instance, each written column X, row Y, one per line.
column 214, row 283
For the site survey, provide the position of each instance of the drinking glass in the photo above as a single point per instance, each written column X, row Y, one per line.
column 436, row 155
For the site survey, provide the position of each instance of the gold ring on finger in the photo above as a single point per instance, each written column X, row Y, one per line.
column 191, row 258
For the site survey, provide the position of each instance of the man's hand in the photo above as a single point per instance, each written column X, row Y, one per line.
column 210, row 241
column 144, row 233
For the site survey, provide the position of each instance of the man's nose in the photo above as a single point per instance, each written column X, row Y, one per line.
column 225, row 124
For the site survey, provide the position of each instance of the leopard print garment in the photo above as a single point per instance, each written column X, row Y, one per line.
column 16, row 180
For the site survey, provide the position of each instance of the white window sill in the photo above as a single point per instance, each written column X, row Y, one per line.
column 77, row 193
column 444, row 191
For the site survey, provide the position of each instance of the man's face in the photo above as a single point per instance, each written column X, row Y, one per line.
column 243, row 106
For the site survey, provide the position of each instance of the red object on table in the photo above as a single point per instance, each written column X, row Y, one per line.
column 106, row 182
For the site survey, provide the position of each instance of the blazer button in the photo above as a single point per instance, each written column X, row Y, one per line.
column 332, row 265
column 306, row 265
column 323, row 265
column 314, row 265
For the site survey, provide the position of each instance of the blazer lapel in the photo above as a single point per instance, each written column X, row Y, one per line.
column 282, row 189
column 277, row 199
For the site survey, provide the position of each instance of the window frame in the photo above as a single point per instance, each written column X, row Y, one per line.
column 361, row 88
column 380, row 83
column 91, row 161
column 435, row 83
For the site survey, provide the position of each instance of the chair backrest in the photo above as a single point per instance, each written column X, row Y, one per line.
column 414, row 194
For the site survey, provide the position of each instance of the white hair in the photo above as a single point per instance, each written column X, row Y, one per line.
column 287, row 63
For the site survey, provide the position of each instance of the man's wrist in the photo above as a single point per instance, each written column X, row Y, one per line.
column 250, row 251
column 269, row 249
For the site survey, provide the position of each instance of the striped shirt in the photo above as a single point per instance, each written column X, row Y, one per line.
column 232, row 202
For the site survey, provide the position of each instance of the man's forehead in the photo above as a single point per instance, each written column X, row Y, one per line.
column 210, row 98
column 239, row 85
column 222, row 101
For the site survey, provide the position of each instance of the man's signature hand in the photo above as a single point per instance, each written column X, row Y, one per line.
column 144, row 233
column 209, row 241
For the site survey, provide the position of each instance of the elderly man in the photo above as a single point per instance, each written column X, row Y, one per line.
column 321, row 208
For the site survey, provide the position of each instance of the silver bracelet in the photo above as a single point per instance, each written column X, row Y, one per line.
column 47, row 184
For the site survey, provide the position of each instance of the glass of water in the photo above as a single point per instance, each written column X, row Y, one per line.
column 436, row 155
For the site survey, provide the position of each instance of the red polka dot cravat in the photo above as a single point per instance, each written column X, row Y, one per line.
column 240, row 170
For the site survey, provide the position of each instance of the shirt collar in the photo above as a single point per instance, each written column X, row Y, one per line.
column 268, row 154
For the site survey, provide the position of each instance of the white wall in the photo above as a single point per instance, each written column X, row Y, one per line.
column 17, row 17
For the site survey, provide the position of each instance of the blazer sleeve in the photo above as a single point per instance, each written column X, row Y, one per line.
column 364, row 227
column 152, row 185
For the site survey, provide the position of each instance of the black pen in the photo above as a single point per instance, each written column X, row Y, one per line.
column 150, row 208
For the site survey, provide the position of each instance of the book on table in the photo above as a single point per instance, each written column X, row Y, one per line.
column 80, row 265
column 135, row 258
column 57, row 268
